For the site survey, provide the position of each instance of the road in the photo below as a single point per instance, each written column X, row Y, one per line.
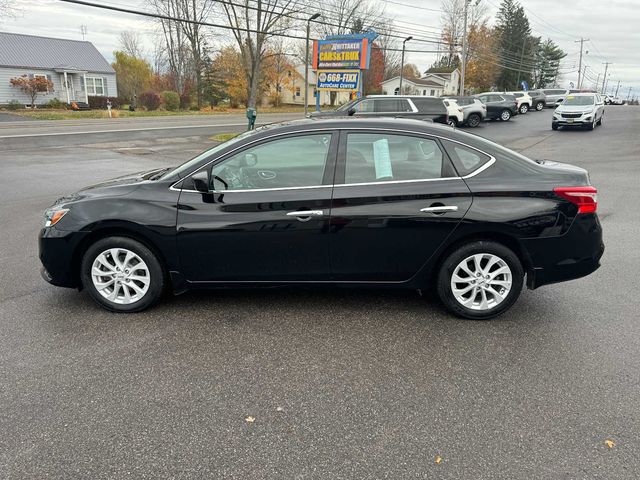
column 342, row 384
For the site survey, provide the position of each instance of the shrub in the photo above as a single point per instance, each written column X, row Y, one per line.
column 171, row 100
column 185, row 101
column 149, row 100
column 57, row 104
column 101, row 102
column 14, row 105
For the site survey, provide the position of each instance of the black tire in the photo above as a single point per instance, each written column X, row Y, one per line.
column 474, row 120
column 524, row 108
column 155, row 273
column 592, row 125
column 505, row 115
column 554, row 126
column 452, row 122
column 466, row 250
column 600, row 121
column 539, row 106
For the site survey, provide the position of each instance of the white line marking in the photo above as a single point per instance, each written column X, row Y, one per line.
column 89, row 132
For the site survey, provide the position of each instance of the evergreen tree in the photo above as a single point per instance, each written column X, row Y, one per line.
column 515, row 46
column 547, row 61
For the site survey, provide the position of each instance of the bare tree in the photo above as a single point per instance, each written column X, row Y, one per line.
column 351, row 16
column 452, row 21
column 131, row 43
column 253, row 23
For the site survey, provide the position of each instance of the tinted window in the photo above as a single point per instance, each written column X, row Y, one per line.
column 289, row 162
column 365, row 106
column 434, row 105
column 392, row 105
column 495, row 98
column 381, row 158
column 465, row 159
column 518, row 95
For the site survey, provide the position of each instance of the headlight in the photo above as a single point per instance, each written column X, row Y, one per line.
column 54, row 215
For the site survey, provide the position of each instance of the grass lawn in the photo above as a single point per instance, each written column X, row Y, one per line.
column 51, row 114
column 223, row 137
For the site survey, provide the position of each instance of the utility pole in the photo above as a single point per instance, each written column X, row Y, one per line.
column 604, row 79
column 597, row 83
column 581, row 41
column 306, row 65
column 464, row 46
column 617, row 88
column 524, row 42
column 404, row 43
column 83, row 31
column 629, row 94
column 606, row 83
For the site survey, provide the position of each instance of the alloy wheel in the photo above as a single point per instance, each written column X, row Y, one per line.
column 120, row 276
column 539, row 106
column 505, row 115
column 481, row 282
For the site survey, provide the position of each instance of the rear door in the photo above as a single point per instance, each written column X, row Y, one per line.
column 396, row 199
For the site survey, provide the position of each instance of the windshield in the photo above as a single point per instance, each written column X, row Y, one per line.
column 347, row 106
column 188, row 165
column 583, row 100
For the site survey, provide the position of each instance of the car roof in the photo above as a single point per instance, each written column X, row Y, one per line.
column 401, row 96
column 583, row 94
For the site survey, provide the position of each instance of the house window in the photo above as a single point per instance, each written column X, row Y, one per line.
column 396, row 91
column 40, row 75
column 95, row 86
column 297, row 91
column 424, row 92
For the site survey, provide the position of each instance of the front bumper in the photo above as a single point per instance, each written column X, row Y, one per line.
column 573, row 122
column 57, row 251
column 573, row 255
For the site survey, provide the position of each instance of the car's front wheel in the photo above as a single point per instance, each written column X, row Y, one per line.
column 505, row 115
column 474, row 120
column 524, row 108
column 539, row 106
column 122, row 274
column 480, row 280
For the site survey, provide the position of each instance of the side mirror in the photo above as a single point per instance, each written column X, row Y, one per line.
column 201, row 181
column 351, row 112
column 250, row 160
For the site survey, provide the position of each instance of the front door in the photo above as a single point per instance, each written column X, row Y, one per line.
column 266, row 218
column 396, row 200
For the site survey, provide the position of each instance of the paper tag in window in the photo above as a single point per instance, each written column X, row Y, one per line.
column 382, row 159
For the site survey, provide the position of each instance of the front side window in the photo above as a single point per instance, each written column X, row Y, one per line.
column 375, row 157
column 284, row 163
column 365, row 106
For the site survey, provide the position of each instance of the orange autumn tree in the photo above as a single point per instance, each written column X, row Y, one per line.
column 32, row 86
column 228, row 67
column 278, row 75
column 481, row 75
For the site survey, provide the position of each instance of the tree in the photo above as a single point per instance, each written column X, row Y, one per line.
column 253, row 24
column 452, row 21
column 277, row 72
column 228, row 68
column 32, row 86
column 481, row 73
column 133, row 75
column 515, row 45
column 547, row 63
column 375, row 75
column 131, row 43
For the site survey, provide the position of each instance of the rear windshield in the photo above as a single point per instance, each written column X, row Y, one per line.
column 581, row 100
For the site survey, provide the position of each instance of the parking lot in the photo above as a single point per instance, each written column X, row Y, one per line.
column 340, row 383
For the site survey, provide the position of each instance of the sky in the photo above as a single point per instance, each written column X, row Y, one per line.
column 612, row 27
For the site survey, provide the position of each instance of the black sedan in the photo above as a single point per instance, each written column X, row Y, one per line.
column 351, row 202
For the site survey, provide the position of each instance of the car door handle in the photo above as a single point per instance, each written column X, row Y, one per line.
column 440, row 209
column 305, row 215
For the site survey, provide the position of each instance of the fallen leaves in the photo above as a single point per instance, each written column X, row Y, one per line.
column 610, row 443
column 249, row 419
column 438, row 460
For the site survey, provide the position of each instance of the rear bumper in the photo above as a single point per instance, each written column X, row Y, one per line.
column 574, row 255
column 57, row 253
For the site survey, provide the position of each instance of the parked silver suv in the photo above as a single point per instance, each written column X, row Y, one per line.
column 473, row 109
column 555, row 96
column 539, row 99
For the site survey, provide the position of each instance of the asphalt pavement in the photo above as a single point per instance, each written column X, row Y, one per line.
column 340, row 383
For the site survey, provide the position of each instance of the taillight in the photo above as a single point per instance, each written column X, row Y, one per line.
column 586, row 198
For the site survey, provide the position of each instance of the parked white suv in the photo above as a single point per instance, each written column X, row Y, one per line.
column 525, row 102
column 455, row 113
column 580, row 110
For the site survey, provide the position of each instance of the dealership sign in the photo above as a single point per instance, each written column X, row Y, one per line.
column 338, row 79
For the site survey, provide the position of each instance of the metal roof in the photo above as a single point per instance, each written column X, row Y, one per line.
column 29, row 51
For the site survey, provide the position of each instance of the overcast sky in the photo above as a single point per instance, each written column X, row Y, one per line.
column 613, row 27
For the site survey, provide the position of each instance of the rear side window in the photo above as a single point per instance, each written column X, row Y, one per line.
column 429, row 105
column 389, row 105
column 383, row 158
column 465, row 159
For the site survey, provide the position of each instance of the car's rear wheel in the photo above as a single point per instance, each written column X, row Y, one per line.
column 122, row 274
column 452, row 122
column 505, row 115
column 480, row 280
column 474, row 120
column 524, row 108
column 539, row 106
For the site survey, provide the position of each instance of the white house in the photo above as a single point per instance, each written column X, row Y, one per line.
column 293, row 92
column 431, row 84
column 76, row 68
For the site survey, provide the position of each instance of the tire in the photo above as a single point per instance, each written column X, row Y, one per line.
column 524, row 108
column 484, row 301
column 600, row 121
column 474, row 120
column 131, row 270
column 539, row 106
column 554, row 126
column 505, row 115
column 452, row 122
column 592, row 125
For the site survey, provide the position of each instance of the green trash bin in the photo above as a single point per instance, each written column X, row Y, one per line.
column 251, row 116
